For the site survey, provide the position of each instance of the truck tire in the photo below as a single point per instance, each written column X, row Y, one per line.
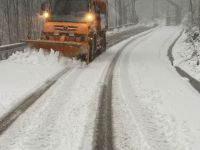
column 92, row 49
column 104, row 43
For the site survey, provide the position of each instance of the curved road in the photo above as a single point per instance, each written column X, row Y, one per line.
column 130, row 99
column 60, row 102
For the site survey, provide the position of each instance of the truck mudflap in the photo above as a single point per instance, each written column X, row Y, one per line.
column 69, row 49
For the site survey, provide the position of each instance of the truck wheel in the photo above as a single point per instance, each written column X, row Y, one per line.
column 83, row 57
column 92, row 49
column 103, row 46
column 104, row 42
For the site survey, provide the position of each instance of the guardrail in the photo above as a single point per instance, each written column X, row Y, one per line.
column 7, row 50
column 125, row 25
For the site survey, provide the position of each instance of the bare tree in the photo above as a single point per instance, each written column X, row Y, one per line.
column 191, row 11
column 199, row 14
column 134, row 14
column 19, row 20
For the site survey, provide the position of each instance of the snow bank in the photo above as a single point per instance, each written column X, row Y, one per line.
column 39, row 57
column 183, row 57
column 24, row 71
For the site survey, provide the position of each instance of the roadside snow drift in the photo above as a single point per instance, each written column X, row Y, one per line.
column 184, row 57
column 24, row 71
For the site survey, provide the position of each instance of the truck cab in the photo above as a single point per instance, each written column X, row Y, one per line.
column 82, row 22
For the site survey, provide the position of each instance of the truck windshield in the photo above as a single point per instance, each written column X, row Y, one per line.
column 68, row 10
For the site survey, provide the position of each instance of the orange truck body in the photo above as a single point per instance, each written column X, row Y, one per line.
column 75, row 39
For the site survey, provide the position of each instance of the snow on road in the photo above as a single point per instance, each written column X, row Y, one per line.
column 154, row 108
column 24, row 72
column 64, row 117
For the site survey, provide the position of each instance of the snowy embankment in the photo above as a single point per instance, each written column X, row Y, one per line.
column 183, row 57
column 23, row 72
column 154, row 109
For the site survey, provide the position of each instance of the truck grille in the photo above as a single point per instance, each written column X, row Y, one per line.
column 65, row 28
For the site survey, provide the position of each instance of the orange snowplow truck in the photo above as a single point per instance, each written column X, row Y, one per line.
column 76, row 28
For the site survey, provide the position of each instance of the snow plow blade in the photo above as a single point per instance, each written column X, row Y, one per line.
column 69, row 49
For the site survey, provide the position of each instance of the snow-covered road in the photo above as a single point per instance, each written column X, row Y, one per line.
column 153, row 108
column 59, row 118
column 25, row 72
column 64, row 117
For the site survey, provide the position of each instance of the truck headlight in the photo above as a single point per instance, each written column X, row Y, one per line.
column 46, row 15
column 89, row 17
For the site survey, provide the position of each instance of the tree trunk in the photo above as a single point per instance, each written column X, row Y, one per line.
column 191, row 11
column 199, row 15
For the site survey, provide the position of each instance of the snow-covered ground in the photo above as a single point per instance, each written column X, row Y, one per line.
column 64, row 117
column 154, row 109
column 183, row 57
column 24, row 72
column 27, row 70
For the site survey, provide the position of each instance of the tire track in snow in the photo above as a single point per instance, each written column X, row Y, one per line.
column 21, row 107
column 103, row 138
column 127, row 130
column 160, row 131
